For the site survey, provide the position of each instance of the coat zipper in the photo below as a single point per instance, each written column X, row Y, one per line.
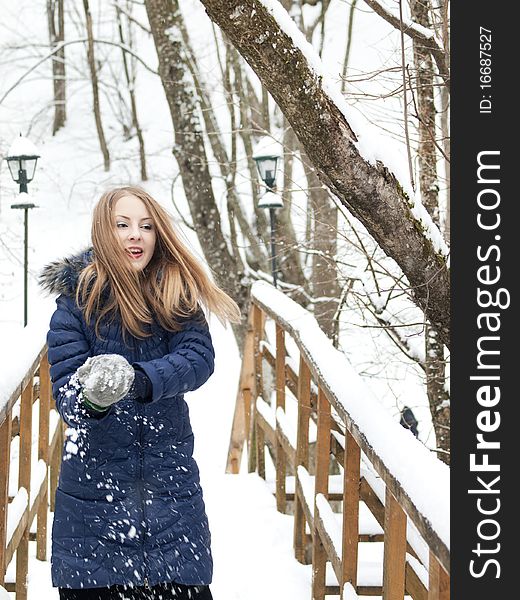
column 141, row 491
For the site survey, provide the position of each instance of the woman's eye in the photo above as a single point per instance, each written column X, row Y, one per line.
column 145, row 226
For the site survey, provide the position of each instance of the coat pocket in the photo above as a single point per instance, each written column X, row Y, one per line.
column 68, row 530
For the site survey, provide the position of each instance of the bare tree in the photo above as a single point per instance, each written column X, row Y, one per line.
column 349, row 43
column 247, row 126
column 289, row 248
column 226, row 165
column 56, row 24
column 95, row 87
column 165, row 20
column 130, row 80
column 440, row 53
column 324, row 279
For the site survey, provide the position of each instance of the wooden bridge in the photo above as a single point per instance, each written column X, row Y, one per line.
column 370, row 503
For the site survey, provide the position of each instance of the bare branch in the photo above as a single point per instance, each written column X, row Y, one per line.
column 57, row 48
column 132, row 19
column 418, row 33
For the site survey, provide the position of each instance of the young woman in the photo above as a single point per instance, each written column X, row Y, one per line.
column 127, row 340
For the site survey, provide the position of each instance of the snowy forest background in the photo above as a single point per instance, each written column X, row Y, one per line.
column 155, row 93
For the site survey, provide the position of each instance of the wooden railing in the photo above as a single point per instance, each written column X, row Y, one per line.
column 30, row 453
column 375, row 505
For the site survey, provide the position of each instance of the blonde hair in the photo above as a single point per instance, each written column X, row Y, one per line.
column 171, row 287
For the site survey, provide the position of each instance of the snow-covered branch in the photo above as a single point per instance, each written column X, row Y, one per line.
column 346, row 160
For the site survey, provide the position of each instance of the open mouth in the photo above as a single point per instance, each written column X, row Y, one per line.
column 135, row 253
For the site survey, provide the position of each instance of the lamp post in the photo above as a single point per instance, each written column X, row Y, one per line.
column 267, row 156
column 22, row 161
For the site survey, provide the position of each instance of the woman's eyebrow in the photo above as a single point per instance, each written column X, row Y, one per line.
column 128, row 218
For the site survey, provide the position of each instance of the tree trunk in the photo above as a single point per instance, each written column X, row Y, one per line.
column 214, row 136
column 266, row 118
column 426, row 115
column 56, row 22
column 230, row 165
column 370, row 192
column 290, row 255
column 246, row 136
column 348, row 46
column 130, row 81
column 435, row 363
column 445, row 132
column 438, row 397
column 324, row 279
column 95, row 88
column 165, row 20
column 445, row 111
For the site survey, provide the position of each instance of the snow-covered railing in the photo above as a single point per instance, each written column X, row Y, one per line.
column 394, row 489
column 30, row 452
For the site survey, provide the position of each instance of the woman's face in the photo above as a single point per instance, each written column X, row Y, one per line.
column 135, row 229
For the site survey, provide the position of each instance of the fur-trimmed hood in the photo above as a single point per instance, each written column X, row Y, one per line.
column 61, row 276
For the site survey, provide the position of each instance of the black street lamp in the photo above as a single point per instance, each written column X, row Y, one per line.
column 267, row 156
column 22, row 161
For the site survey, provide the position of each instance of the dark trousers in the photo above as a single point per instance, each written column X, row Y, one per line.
column 163, row 591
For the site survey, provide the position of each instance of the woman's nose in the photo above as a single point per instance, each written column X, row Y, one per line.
column 134, row 233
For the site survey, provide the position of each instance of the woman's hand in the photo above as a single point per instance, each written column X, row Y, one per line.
column 105, row 379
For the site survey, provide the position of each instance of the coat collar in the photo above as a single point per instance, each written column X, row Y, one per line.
column 61, row 276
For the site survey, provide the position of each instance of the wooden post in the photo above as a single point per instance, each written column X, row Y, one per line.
column 24, row 468
column 319, row 556
column 281, row 467
column 43, row 454
column 55, row 466
column 24, row 480
column 394, row 549
column 5, row 455
column 439, row 581
column 323, row 445
column 241, row 417
column 302, row 454
column 304, row 414
column 258, row 333
column 351, row 476
column 260, row 450
column 258, row 330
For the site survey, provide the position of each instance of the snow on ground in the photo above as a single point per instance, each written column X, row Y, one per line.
column 251, row 541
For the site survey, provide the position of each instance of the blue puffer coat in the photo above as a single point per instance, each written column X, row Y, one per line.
column 129, row 506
